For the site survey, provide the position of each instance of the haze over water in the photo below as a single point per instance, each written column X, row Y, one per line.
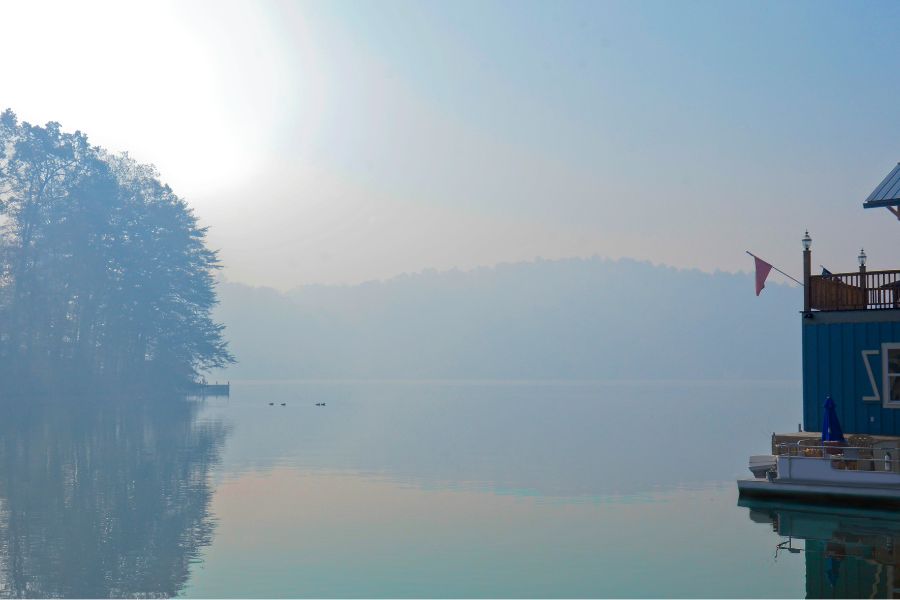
column 403, row 489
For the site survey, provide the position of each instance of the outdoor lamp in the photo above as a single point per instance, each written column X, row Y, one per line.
column 862, row 257
column 807, row 241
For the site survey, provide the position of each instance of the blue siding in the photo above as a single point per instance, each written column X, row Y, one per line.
column 833, row 364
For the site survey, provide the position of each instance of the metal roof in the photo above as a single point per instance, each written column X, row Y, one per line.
column 888, row 191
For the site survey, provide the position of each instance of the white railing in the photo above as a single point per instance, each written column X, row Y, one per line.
column 850, row 458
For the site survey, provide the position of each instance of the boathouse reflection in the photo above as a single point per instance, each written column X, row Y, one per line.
column 103, row 498
column 849, row 553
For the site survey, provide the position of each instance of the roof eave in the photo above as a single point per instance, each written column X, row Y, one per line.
column 881, row 203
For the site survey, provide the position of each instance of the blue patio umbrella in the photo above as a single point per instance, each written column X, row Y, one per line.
column 832, row 570
column 831, row 427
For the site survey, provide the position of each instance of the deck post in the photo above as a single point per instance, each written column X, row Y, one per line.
column 807, row 268
column 862, row 285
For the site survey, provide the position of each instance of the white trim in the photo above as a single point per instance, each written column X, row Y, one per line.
column 885, row 377
column 865, row 357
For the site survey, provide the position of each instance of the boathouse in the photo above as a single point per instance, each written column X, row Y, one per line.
column 851, row 337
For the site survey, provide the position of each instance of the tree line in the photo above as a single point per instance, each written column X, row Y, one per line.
column 104, row 270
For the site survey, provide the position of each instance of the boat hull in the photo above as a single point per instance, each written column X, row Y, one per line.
column 821, row 493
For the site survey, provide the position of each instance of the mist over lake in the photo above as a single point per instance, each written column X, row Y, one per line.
column 435, row 299
column 390, row 489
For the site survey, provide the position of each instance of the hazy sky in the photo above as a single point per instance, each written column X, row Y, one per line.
column 339, row 142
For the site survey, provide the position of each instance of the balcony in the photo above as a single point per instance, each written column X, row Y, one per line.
column 862, row 290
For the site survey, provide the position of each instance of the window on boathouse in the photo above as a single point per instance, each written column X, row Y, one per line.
column 891, row 366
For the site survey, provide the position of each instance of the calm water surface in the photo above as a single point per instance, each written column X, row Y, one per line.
column 421, row 489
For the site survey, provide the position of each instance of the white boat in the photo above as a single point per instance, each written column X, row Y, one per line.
column 827, row 472
column 760, row 464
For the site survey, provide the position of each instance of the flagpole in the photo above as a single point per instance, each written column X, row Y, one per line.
column 773, row 266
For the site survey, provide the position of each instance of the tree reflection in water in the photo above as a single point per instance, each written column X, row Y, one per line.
column 103, row 498
column 849, row 552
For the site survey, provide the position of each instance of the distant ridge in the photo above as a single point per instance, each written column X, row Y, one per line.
column 561, row 319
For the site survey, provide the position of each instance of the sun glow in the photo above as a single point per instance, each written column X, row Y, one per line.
column 204, row 99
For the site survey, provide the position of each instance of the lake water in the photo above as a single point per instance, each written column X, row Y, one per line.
column 415, row 489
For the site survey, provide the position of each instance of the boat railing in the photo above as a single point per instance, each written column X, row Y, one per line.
column 852, row 458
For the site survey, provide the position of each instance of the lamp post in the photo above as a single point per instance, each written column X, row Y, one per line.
column 862, row 277
column 807, row 267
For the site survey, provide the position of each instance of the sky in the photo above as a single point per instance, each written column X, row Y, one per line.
column 340, row 142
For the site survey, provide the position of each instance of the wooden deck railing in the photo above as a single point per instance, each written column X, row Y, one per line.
column 855, row 291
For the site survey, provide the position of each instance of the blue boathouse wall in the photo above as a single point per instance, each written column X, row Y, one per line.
column 836, row 347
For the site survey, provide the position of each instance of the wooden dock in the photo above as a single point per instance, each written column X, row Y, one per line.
column 212, row 389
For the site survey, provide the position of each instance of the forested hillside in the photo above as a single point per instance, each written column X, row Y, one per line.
column 581, row 319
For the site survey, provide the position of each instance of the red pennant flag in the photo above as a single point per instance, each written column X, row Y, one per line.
column 762, row 271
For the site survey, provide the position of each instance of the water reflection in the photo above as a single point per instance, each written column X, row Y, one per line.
column 502, row 489
column 849, row 553
column 103, row 498
column 581, row 439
